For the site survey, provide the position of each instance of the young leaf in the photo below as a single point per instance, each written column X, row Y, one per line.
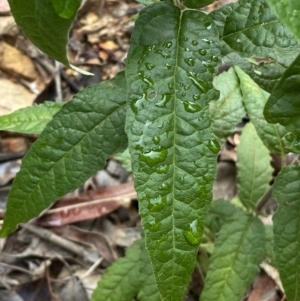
column 30, row 120
column 250, row 32
column 288, row 11
column 283, row 104
column 229, row 109
column 129, row 277
column 253, row 165
column 46, row 24
column 286, row 191
column 73, row 146
column 254, row 98
column 239, row 249
column 170, row 68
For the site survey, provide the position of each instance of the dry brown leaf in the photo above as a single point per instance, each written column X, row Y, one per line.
column 8, row 26
column 109, row 45
column 15, row 63
column 4, row 7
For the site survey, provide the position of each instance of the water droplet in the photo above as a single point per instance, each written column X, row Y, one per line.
column 238, row 40
column 202, row 51
column 157, row 203
column 156, row 139
column 187, row 87
column 151, row 95
column 168, row 66
column 146, row 50
column 190, row 61
column 209, row 67
column 214, row 58
column 163, row 169
column 170, row 85
column 194, row 43
column 187, row 49
column 137, row 104
column 146, row 79
column 208, row 25
column 200, row 84
column 185, row 39
column 181, row 84
column 182, row 180
column 149, row 66
column 196, row 96
column 194, row 234
column 160, row 126
column 213, row 146
column 183, row 94
column 261, row 9
column 191, row 107
column 154, row 157
column 166, row 97
column 167, row 45
column 163, row 54
column 164, row 186
column 207, row 41
column 152, row 225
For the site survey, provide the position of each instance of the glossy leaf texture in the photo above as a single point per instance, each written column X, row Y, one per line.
column 129, row 277
column 254, row 39
column 169, row 71
column 46, row 24
column 229, row 109
column 73, row 146
column 238, row 251
column 254, row 98
column 288, row 11
column 30, row 120
column 283, row 106
column 254, row 168
column 286, row 220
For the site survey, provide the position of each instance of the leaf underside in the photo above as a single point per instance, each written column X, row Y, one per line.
column 170, row 68
column 250, row 32
column 46, row 24
column 254, row 98
column 229, row 109
column 73, row 146
column 238, row 251
column 30, row 120
column 286, row 220
column 254, row 169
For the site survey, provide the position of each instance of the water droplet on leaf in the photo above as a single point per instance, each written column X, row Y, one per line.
column 202, row 51
column 154, row 157
column 163, row 169
column 191, row 107
column 190, row 61
column 149, row 66
column 164, row 186
column 157, row 203
column 209, row 67
column 194, row 234
column 214, row 146
column 196, row 96
column 168, row 66
column 167, row 45
column 156, row 139
column 195, row 43
column 200, row 84
column 214, row 58
column 163, row 54
column 166, row 97
column 146, row 79
column 185, row 39
column 137, row 104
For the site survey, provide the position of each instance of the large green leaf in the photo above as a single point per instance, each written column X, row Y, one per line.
column 197, row 3
column 47, row 23
column 170, row 67
column 129, row 277
column 239, row 249
column 73, row 146
column 250, row 32
column 30, row 120
column 229, row 109
column 286, row 191
column 254, row 169
column 283, row 106
column 254, row 98
column 288, row 11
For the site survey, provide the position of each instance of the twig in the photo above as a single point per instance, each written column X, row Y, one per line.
column 58, row 97
column 91, row 269
column 264, row 200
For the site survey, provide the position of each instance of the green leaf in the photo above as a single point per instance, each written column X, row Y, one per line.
column 283, row 106
column 249, row 32
column 197, row 3
column 30, row 120
column 73, row 146
column 229, row 109
column 46, row 24
column 254, row 98
column 219, row 212
column 170, row 68
column 286, row 220
column 129, row 277
column 147, row 2
column 254, row 169
column 125, row 159
column 288, row 11
column 239, row 249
